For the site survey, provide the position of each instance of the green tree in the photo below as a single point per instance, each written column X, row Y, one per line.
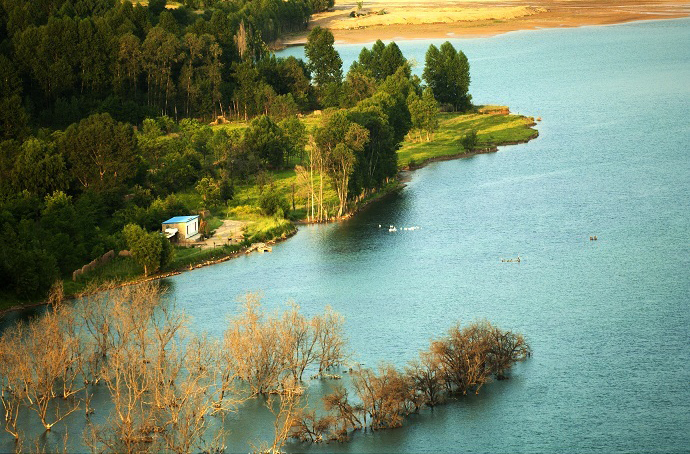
column 13, row 118
column 296, row 137
column 447, row 72
column 339, row 140
column 469, row 140
column 247, row 81
column 318, row 6
column 273, row 203
column 128, row 64
column 377, row 161
column 358, row 85
column 424, row 113
column 156, row 7
column 266, row 139
column 146, row 248
column 324, row 61
column 209, row 189
column 101, row 151
column 160, row 51
column 39, row 168
column 293, row 77
column 381, row 61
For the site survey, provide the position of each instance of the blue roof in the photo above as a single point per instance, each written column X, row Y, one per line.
column 180, row 219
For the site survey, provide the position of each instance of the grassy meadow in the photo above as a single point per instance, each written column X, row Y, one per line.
column 492, row 130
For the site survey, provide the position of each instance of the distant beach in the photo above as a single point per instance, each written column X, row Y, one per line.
column 407, row 19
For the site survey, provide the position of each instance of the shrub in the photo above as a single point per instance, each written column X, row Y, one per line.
column 273, row 204
column 469, row 140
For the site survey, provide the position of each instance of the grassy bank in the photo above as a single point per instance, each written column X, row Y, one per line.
column 492, row 131
column 125, row 269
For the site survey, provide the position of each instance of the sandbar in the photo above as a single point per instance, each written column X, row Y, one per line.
column 429, row 19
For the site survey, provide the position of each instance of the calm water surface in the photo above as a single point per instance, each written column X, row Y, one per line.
column 609, row 321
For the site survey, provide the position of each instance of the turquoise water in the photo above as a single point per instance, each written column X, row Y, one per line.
column 609, row 321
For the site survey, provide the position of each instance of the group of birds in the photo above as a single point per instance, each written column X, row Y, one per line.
column 392, row 228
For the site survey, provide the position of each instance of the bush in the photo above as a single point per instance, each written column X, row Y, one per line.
column 469, row 140
column 274, row 204
column 149, row 250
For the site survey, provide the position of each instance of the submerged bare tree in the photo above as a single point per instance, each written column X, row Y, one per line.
column 426, row 379
column 165, row 384
column 386, row 396
column 461, row 361
column 265, row 349
column 470, row 356
column 330, row 333
column 254, row 345
column 40, row 366
column 162, row 385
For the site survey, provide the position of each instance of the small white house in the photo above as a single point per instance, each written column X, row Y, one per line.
column 182, row 227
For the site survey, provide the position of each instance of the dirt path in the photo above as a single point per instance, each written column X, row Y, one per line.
column 228, row 233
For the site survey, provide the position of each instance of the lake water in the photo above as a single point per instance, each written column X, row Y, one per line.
column 609, row 321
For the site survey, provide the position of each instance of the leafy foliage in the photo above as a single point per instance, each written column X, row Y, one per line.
column 447, row 72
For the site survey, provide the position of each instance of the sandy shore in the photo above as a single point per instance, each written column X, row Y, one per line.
column 407, row 19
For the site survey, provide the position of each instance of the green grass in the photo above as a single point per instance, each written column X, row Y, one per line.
column 214, row 222
column 282, row 181
column 310, row 121
column 120, row 269
column 268, row 228
column 492, row 130
column 10, row 299
column 185, row 257
column 232, row 125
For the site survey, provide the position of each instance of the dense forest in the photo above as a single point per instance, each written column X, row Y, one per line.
column 106, row 108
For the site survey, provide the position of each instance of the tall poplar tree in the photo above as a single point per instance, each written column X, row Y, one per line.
column 447, row 72
column 324, row 61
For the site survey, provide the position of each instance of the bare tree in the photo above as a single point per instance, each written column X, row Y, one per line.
column 287, row 414
column 470, row 356
column 346, row 415
column 162, row 385
column 462, row 355
column 426, row 379
column 299, row 335
column 331, row 339
column 49, row 364
column 386, row 396
column 506, row 349
column 312, row 428
column 14, row 382
column 255, row 346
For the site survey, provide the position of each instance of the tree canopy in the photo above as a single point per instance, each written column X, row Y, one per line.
column 324, row 61
column 447, row 72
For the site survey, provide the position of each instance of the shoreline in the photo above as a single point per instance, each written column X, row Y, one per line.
column 557, row 15
column 391, row 188
column 155, row 277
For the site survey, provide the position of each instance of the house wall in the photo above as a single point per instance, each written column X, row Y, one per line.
column 182, row 228
column 193, row 226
